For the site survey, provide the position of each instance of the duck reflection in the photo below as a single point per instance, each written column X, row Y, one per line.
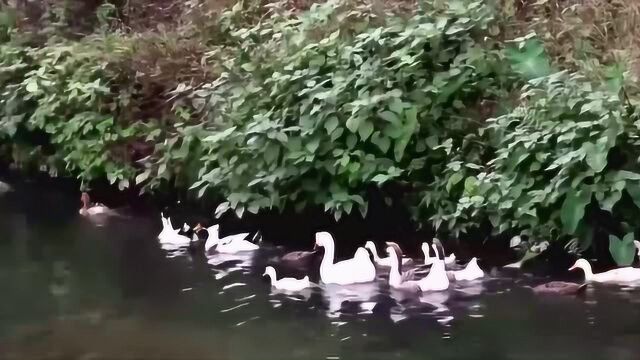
column 437, row 299
column 355, row 298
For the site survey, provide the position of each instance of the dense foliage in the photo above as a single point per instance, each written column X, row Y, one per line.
column 270, row 107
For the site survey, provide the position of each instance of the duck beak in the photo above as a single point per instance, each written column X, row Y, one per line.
column 572, row 268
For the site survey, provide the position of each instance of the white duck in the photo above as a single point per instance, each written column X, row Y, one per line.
column 229, row 244
column 384, row 262
column 396, row 277
column 428, row 260
column 437, row 279
column 170, row 236
column 287, row 284
column 471, row 272
column 359, row 269
column 620, row 275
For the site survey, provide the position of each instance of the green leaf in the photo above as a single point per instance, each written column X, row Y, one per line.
column 313, row 145
column 633, row 190
column 331, row 124
column 453, row 180
column 411, row 116
column 470, row 185
column 622, row 251
column 381, row 141
column 271, row 153
column 572, row 210
column 530, row 59
column 142, row 176
column 353, row 123
column 596, row 155
column 240, row 211
column 390, row 117
column 32, row 86
column 222, row 208
column 626, row 175
column 610, row 201
column 365, row 130
column 380, row 178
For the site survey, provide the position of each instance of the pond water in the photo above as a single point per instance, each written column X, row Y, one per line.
column 70, row 290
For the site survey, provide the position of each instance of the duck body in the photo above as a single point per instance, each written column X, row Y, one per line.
column 437, row 279
column 559, row 288
column 229, row 244
column 94, row 210
column 471, row 272
column 620, row 275
column 170, row 236
column 382, row 262
column 359, row 269
column 397, row 279
column 298, row 259
column 233, row 246
column 286, row 284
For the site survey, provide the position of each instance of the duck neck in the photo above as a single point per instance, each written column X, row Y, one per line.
column 271, row 273
column 588, row 273
column 395, row 277
column 374, row 251
column 427, row 256
column 86, row 203
column 327, row 259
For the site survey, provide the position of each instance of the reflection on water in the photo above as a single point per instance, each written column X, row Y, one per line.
column 74, row 291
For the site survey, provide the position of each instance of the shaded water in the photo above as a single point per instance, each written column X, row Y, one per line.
column 69, row 290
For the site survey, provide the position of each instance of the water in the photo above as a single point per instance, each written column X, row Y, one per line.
column 70, row 290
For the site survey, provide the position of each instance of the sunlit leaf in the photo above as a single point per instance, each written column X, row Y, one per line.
column 622, row 251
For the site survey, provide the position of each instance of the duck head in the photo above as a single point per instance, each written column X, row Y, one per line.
column 269, row 270
column 369, row 245
column 395, row 252
column 581, row 264
column 323, row 239
column 362, row 253
column 86, row 200
column 211, row 230
column 271, row 273
column 425, row 249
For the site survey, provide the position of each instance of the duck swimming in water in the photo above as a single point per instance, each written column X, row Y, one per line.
column 97, row 213
column 559, row 288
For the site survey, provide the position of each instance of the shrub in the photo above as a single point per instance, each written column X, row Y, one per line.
column 316, row 107
column 565, row 165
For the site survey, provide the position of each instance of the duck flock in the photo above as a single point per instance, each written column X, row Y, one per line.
column 365, row 263
column 356, row 270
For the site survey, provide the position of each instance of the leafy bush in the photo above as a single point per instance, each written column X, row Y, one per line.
column 316, row 107
column 64, row 91
column 565, row 166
